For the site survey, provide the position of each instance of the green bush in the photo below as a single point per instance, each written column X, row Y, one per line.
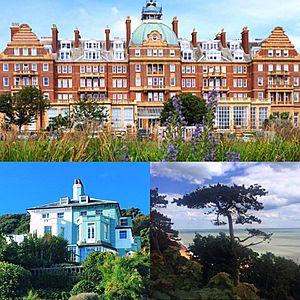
column 83, row 286
column 14, row 281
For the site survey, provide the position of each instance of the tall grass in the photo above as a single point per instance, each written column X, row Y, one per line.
column 78, row 148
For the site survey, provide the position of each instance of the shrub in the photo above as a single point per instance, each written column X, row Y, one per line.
column 83, row 286
column 85, row 296
column 14, row 281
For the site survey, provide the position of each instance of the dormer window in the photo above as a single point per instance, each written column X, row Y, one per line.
column 16, row 51
column 45, row 216
column 84, row 199
column 124, row 222
column 91, row 55
column 92, row 45
column 64, row 200
column 66, row 45
column 286, row 53
column 65, row 55
column 270, row 53
column 187, row 55
column 238, row 55
column 234, row 46
column 213, row 55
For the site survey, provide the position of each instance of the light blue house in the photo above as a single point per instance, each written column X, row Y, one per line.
column 88, row 224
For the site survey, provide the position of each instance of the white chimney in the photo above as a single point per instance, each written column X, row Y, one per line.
column 77, row 189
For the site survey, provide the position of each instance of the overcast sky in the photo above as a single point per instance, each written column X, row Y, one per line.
column 208, row 17
column 281, row 180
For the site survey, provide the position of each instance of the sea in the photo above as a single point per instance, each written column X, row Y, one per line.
column 284, row 241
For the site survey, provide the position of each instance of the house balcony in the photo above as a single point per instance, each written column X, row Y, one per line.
column 158, row 88
column 214, row 74
column 92, row 74
column 91, row 89
column 223, row 89
column 26, row 73
column 278, row 73
column 280, row 87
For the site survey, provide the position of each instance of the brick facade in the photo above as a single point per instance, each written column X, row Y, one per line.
column 133, row 79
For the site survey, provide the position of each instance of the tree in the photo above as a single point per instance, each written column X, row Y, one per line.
column 217, row 254
column 193, row 109
column 14, row 224
column 116, row 277
column 14, row 281
column 60, row 122
column 41, row 252
column 160, row 225
column 232, row 203
column 22, row 108
column 276, row 277
column 88, row 114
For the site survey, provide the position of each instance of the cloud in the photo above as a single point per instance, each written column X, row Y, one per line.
column 115, row 11
column 119, row 27
column 194, row 173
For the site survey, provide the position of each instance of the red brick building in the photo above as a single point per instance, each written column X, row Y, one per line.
column 134, row 76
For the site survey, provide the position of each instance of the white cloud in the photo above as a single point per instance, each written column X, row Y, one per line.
column 194, row 173
column 115, row 11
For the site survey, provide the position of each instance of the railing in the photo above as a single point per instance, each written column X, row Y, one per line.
column 187, row 134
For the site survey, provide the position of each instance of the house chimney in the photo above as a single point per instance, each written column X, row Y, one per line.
column 77, row 189
column 175, row 25
column 14, row 29
column 107, row 33
column 194, row 38
column 54, row 39
column 223, row 38
column 128, row 31
column 77, row 38
column 245, row 40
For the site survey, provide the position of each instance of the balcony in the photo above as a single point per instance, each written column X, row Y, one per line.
column 217, row 88
column 279, row 73
column 25, row 73
column 158, row 88
column 281, row 87
column 92, row 89
column 92, row 74
column 214, row 74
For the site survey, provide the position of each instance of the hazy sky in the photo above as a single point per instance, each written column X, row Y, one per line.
column 208, row 17
column 281, row 180
column 25, row 185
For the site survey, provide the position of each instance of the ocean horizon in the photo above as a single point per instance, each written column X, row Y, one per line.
column 284, row 242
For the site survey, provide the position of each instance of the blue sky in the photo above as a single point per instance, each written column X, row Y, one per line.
column 25, row 185
column 281, row 180
column 208, row 17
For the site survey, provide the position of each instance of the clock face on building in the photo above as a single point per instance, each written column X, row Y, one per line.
column 154, row 37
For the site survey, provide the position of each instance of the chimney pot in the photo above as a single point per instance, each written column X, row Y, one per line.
column 77, row 37
column 194, row 38
column 175, row 26
column 128, row 31
column 54, row 39
column 245, row 40
column 107, row 33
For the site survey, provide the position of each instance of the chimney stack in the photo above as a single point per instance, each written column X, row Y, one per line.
column 54, row 39
column 14, row 29
column 77, row 38
column 175, row 25
column 245, row 40
column 107, row 33
column 194, row 38
column 223, row 38
column 77, row 189
column 128, row 31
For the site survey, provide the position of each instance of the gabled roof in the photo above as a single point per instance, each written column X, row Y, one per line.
column 278, row 39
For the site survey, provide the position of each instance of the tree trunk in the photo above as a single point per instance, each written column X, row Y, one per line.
column 236, row 275
column 41, row 120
